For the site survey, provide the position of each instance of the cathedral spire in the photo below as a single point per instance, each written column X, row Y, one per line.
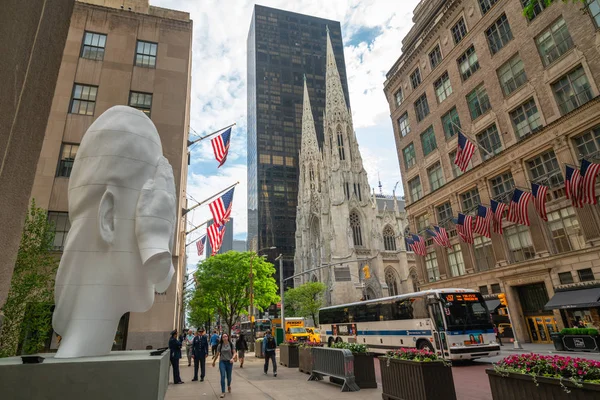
column 309, row 147
column 335, row 92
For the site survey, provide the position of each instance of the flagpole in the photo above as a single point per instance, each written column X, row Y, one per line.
column 209, row 135
column 472, row 140
column 196, row 227
column 185, row 211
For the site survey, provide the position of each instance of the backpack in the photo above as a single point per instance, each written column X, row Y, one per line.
column 271, row 343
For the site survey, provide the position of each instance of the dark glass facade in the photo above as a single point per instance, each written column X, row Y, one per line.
column 282, row 47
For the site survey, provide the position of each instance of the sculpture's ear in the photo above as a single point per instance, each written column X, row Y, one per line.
column 106, row 217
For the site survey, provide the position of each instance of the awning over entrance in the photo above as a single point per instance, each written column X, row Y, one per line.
column 581, row 298
column 492, row 304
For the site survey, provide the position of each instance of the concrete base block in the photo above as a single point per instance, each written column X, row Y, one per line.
column 122, row 375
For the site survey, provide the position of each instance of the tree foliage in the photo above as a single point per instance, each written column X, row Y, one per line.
column 223, row 286
column 528, row 10
column 28, row 310
column 306, row 300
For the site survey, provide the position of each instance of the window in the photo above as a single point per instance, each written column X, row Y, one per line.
column 403, row 125
column 357, row 191
column 456, row 172
column 519, row 243
column 451, row 123
column 455, row 259
column 415, row 78
column 61, row 228
column 512, row 75
column 93, row 46
column 483, row 290
column 436, row 176
column 433, row 272
column 421, row 107
column 435, row 57
column 347, row 190
column 391, row 281
column 594, row 8
column 416, row 191
column 484, row 254
column 356, row 231
column 589, row 143
column 478, row 101
column 399, row 97
column 565, row 278
column 538, row 7
column 83, row 100
column 502, row 186
column 141, row 101
column 496, row 288
column 485, row 5
column 444, row 212
column 585, row 275
column 489, row 142
column 340, row 143
column 468, row 63
column 442, row 87
column 545, row 170
column 409, row 156
column 554, row 42
column 422, row 222
column 428, row 141
column 459, row 30
column 470, row 200
column 67, row 158
column 526, row 119
column 572, row 90
column 565, row 230
column 499, row 34
column 389, row 239
column 145, row 54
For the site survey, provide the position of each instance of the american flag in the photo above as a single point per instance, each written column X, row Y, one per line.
column 573, row 186
column 409, row 243
column 498, row 210
column 220, row 145
column 215, row 236
column 443, row 234
column 517, row 211
column 437, row 239
column 589, row 173
column 483, row 221
column 418, row 245
column 464, row 226
column 539, row 199
column 464, row 152
column 221, row 208
column 200, row 245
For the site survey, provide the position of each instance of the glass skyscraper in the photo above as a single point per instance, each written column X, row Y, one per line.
column 282, row 48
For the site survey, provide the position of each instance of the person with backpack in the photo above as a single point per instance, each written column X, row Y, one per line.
column 242, row 347
column 227, row 356
column 269, row 347
column 214, row 342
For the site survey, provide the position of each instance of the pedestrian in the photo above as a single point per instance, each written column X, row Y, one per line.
column 269, row 346
column 498, row 335
column 200, row 352
column 188, row 346
column 227, row 356
column 242, row 347
column 175, row 356
column 214, row 342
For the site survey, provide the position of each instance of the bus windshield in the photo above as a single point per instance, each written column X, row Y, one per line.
column 297, row 330
column 262, row 326
column 465, row 311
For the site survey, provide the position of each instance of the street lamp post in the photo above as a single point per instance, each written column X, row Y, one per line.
column 252, row 290
column 280, row 258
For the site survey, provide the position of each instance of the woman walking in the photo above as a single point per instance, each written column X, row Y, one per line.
column 242, row 347
column 227, row 356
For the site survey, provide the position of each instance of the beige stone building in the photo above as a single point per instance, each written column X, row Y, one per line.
column 525, row 91
column 122, row 52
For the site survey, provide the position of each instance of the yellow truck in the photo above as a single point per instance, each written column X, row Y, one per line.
column 294, row 329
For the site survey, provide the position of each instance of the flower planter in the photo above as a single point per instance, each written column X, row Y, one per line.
column 402, row 379
column 288, row 356
column 305, row 360
column 364, row 370
column 580, row 343
column 519, row 386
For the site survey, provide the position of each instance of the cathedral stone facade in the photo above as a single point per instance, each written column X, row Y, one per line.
column 338, row 221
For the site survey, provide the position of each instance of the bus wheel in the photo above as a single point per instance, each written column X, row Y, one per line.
column 424, row 344
column 329, row 341
column 338, row 339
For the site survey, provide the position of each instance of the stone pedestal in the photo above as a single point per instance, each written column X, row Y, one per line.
column 122, row 375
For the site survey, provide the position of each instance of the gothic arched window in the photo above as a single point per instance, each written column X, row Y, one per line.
column 356, row 231
column 391, row 281
column 311, row 174
column 340, row 142
column 348, row 135
column 389, row 239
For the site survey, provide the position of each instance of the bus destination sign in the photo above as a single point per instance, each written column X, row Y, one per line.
column 467, row 297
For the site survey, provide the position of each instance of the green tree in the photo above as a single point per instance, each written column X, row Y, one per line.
column 223, row 283
column 199, row 312
column 529, row 8
column 306, row 300
column 28, row 310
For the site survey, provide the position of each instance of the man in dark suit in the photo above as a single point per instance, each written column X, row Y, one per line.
column 200, row 352
column 175, row 356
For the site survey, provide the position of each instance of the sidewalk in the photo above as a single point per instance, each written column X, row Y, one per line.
column 250, row 383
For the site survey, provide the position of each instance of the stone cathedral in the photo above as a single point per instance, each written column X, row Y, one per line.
column 339, row 222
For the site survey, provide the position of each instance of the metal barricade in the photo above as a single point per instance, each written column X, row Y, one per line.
column 337, row 363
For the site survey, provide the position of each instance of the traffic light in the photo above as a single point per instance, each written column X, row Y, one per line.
column 366, row 272
column 502, row 298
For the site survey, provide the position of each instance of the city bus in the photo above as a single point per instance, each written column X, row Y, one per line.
column 454, row 323
column 261, row 326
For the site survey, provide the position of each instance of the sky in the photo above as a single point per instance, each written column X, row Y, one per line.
column 372, row 32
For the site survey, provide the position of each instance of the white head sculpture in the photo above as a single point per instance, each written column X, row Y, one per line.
column 118, row 250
